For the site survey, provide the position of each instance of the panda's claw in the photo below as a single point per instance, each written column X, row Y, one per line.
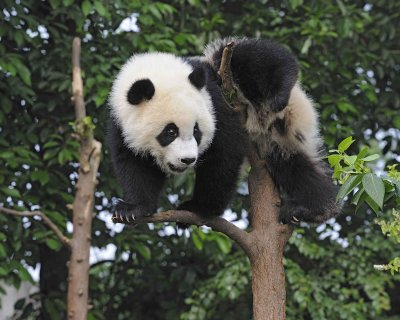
column 133, row 216
column 295, row 220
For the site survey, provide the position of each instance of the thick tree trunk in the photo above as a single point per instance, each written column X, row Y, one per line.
column 266, row 252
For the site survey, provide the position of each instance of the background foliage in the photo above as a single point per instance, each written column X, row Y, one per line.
column 349, row 56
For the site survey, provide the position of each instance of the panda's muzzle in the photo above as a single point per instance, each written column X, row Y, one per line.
column 177, row 169
column 186, row 163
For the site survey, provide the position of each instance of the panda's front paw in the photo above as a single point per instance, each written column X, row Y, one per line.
column 127, row 212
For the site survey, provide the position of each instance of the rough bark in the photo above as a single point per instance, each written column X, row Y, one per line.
column 266, row 255
column 78, row 275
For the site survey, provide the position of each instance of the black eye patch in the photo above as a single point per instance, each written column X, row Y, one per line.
column 168, row 135
column 197, row 134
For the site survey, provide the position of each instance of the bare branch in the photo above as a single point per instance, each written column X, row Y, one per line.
column 46, row 220
column 89, row 160
column 216, row 223
column 233, row 96
column 77, row 85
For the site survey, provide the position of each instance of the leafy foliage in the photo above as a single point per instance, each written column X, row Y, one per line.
column 366, row 187
column 392, row 230
column 348, row 53
column 355, row 176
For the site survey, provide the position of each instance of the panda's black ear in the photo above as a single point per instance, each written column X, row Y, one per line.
column 198, row 77
column 140, row 90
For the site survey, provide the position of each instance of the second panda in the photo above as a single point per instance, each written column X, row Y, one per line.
column 168, row 115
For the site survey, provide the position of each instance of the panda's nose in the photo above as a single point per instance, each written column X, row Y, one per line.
column 188, row 161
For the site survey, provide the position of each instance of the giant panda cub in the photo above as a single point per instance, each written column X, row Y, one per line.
column 168, row 115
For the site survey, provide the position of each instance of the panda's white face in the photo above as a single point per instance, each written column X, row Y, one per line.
column 163, row 109
column 179, row 147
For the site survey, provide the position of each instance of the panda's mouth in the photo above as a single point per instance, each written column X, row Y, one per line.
column 176, row 169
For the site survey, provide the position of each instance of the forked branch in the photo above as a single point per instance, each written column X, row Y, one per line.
column 46, row 220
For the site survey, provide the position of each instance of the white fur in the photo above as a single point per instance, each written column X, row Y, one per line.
column 175, row 100
column 301, row 118
column 179, row 149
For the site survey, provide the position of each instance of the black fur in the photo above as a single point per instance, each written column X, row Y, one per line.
column 264, row 70
column 198, row 77
column 141, row 179
column 168, row 135
column 197, row 134
column 308, row 193
column 141, row 90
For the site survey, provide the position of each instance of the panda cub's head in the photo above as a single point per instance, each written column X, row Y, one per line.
column 163, row 108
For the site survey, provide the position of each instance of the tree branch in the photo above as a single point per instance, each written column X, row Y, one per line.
column 233, row 96
column 89, row 160
column 46, row 220
column 216, row 223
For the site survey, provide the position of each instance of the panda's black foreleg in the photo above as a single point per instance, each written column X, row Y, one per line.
column 308, row 193
column 141, row 183
column 216, row 179
column 140, row 178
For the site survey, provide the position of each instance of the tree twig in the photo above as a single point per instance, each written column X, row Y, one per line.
column 233, row 96
column 46, row 220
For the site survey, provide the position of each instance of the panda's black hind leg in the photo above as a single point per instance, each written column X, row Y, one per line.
column 306, row 185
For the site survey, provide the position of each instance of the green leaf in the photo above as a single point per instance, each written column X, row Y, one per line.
column 53, row 244
column 19, row 38
column 345, row 144
column 396, row 121
column 333, row 159
column 375, row 189
column 24, row 274
column 350, row 160
column 24, row 73
column 11, row 192
column 54, row 3
column 224, row 243
column 371, row 157
column 363, row 152
column 357, row 196
column 143, row 250
column 373, row 205
column 51, row 144
column 41, row 176
column 6, row 154
column 351, row 183
column 86, row 7
column 3, row 252
column 100, row 8
column 196, row 240
column 3, row 272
